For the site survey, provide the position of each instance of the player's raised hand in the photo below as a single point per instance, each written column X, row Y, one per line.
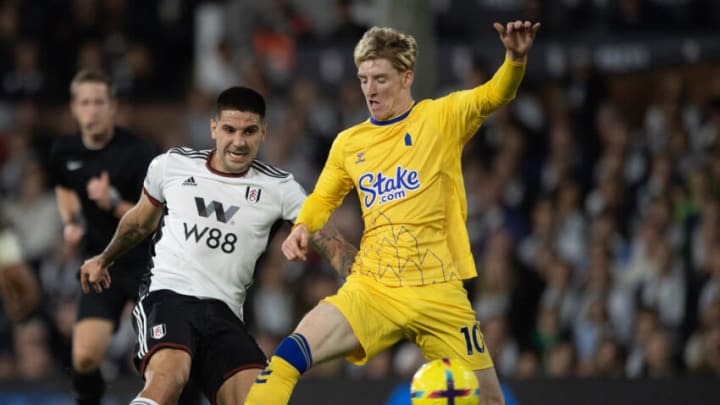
column 295, row 246
column 517, row 37
column 94, row 274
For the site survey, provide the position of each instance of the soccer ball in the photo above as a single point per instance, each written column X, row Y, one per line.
column 444, row 382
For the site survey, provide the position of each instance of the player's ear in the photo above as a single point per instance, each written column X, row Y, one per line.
column 408, row 78
column 213, row 125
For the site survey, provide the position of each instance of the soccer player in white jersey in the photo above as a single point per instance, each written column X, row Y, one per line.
column 212, row 213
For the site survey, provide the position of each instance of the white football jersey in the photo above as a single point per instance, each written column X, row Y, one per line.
column 215, row 225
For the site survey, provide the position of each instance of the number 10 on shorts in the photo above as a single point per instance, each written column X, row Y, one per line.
column 473, row 339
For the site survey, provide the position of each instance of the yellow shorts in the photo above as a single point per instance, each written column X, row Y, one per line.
column 437, row 317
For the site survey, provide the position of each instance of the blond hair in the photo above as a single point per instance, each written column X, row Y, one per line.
column 92, row 76
column 386, row 43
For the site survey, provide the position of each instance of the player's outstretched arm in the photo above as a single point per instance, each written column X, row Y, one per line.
column 139, row 222
column 517, row 37
column 331, row 245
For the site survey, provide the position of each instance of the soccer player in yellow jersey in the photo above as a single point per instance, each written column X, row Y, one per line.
column 404, row 162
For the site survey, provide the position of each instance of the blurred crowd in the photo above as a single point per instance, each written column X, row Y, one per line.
column 593, row 199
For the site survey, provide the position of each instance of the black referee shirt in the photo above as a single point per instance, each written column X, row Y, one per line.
column 126, row 159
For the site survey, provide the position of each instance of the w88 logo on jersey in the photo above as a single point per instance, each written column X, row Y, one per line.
column 213, row 238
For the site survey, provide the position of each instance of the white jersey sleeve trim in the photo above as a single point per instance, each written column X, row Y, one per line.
column 153, row 184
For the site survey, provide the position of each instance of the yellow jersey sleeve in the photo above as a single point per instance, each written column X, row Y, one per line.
column 481, row 101
column 331, row 188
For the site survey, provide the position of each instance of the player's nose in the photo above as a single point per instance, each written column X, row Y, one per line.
column 369, row 88
column 239, row 141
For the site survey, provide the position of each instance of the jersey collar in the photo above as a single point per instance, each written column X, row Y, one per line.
column 218, row 172
column 394, row 120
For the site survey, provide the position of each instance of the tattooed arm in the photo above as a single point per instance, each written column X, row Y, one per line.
column 139, row 222
column 331, row 245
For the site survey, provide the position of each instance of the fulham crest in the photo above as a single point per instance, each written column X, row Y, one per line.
column 158, row 331
column 252, row 194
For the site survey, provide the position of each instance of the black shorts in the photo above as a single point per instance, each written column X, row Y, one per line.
column 207, row 329
column 109, row 304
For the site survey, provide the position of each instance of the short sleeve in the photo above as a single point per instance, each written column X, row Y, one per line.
column 155, row 179
column 294, row 196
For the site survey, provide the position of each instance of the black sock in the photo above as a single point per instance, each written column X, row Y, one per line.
column 88, row 388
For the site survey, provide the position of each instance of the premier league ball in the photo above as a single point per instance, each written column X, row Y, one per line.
column 444, row 382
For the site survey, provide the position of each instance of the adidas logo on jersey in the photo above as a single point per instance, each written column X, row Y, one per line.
column 190, row 181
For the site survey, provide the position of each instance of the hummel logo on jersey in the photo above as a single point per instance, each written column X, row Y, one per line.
column 360, row 157
column 220, row 213
column 190, row 181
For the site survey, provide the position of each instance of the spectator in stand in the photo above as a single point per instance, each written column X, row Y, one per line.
column 18, row 287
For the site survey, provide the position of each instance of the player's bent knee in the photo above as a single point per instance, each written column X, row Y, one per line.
column 91, row 338
column 168, row 367
column 164, row 386
column 171, row 378
column 86, row 361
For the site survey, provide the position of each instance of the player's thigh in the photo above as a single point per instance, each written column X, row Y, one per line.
column 448, row 328
column 328, row 333
column 167, row 372
column 91, row 337
column 490, row 391
column 227, row 358
column 163, row 319
column 371, row 320
column 456, row 340
column 235, row 389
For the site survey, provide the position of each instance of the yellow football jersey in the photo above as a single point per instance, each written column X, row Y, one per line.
column 407, row 172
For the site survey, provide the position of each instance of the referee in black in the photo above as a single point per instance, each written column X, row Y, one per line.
column 98, row 174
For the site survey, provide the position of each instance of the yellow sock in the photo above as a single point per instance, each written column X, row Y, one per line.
column 274, row 385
